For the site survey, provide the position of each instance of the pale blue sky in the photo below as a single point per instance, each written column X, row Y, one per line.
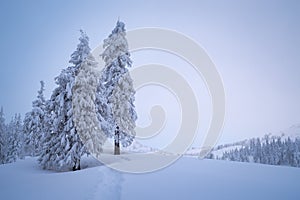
column 254, row 44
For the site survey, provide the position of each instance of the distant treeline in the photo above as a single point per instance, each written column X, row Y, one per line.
column 269, row 150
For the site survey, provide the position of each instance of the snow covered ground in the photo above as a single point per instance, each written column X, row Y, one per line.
column 187, row 178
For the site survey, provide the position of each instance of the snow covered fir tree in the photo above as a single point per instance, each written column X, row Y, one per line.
column 119, row 90
column 2, row 132
column 62, row 146
column 33, row 127
column 15, row 139
column 11, row 139
column 84, row 109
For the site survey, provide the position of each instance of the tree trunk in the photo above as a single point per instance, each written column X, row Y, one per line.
column 77, row 165
column 117, row 141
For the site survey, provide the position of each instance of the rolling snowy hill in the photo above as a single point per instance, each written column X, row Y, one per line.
column 188, row 178
column 292, row 132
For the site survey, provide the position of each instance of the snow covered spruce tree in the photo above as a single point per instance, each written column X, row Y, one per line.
column 123, row 111
column 15, row 140
column 84, row 110
column 2, row 136
column 62, row 146
column 104, row 111
column 119, row 88
column 34, row 124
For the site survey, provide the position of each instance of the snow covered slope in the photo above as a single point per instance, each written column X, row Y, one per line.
column 137, row 147
column 218, row 150
column 188, row 178
column 292, row 132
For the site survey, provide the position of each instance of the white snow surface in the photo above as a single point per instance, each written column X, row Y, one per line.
column 187, row 178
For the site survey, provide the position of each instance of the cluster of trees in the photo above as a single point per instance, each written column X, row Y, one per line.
column 85, row 109
column 11, row 139
column 269, row 150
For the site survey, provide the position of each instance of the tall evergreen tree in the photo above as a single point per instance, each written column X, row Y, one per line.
column 119, row 89
column 2, row 136
column 124, row 114
column 84, row 110
column 34, row 124
column 62, row 146
column 21, row 137
column 15, row 139
column 103, row 110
